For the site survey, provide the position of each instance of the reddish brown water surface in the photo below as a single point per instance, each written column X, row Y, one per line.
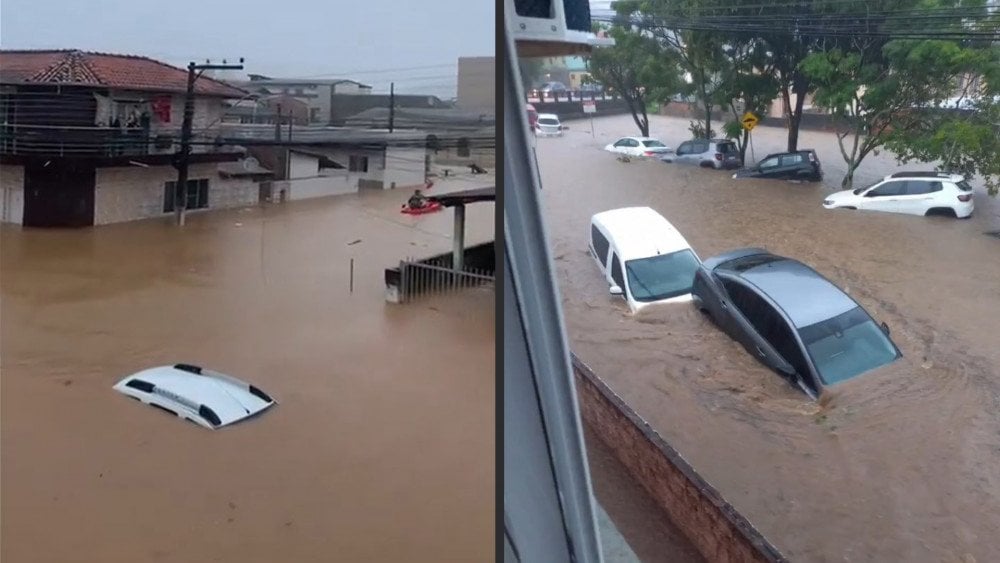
column 381, row 447
column 902, row 464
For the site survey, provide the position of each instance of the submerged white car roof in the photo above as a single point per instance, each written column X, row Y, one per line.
column 548, row 116
column 640, row 232
column 203, row 396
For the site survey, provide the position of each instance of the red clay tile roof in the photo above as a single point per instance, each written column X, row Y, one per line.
column 81, row 68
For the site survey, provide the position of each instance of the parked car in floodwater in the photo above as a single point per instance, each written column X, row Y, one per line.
column 791, row 318
column 707, row 153
column 549, row 125
column 642, row 256
column 913, row 193
column 638, row 146
column 798, row 165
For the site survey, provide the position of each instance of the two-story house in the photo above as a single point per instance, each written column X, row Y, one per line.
column 91, row 138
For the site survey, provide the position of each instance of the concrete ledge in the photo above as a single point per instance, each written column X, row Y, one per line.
column 712, row 525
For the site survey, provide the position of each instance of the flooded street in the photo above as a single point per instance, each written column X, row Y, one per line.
column 381, row 447
column 898, row 465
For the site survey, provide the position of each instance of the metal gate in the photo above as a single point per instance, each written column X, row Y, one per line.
column 419, row 278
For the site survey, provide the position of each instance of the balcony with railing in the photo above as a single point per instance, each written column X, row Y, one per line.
column 66, row 141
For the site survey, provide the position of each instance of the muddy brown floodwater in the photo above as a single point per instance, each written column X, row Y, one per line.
column 381, row 447
column 902, row 464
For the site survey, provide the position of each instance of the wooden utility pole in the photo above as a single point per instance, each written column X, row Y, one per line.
column 182, row 160
column 392, row 106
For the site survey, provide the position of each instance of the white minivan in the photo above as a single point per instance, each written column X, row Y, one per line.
column 642, row 256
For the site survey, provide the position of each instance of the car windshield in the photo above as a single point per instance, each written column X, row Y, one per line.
column 547, row 121
column 662, row 277
column 653, row 143
column 859, row 190
column 847, row 345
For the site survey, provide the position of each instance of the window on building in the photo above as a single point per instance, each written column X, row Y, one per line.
column 358, row 164
column 313, row 114
column 196, row 196
column 463, row 146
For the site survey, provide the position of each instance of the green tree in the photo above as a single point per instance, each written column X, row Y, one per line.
column 875, row 92
column 699, row 54
column 638, row 70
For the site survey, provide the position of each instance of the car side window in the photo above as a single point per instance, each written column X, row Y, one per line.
column 683, row 149
column 616, row 271
column 633, row 143
column 920, row 187
column 887, row 189
column 791, row 159
column 769, row 162
column 622, row 143
column 598, row 244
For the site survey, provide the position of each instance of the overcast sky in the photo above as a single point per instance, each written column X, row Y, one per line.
column 417, row 45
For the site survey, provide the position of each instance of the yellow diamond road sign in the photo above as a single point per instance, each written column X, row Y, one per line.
column 749, row 121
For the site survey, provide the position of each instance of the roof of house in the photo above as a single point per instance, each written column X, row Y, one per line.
column 83, row 68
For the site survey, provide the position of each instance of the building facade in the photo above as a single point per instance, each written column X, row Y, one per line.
column 91, row 138
column 477, row 84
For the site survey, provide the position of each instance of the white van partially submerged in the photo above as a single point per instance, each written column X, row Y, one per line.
column 642, row 256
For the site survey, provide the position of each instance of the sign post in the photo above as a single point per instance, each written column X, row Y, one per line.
column 750, row 121
column 590, row 107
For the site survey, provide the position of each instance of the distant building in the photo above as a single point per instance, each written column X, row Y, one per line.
column 90, row 138
column 477, row 84
column 327, row 161
column 315, row 93
column 345, row 107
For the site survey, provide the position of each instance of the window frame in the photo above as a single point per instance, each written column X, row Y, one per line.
column 600, row 255
column 201, row 186
column 900, row 191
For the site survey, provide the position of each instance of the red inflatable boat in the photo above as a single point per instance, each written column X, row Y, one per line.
column 431, row 207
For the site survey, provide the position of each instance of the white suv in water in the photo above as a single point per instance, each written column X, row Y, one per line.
column 549, row 125
column 913, row 193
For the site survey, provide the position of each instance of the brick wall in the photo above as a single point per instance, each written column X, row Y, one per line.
column 11, row 194
column 711, row 524
column 130, row 193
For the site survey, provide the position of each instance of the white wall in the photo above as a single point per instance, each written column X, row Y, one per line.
column 338, row 183
column 11, row 194
column 128, row 193
column 308, row 181
column 404, row 167
column 302, row 166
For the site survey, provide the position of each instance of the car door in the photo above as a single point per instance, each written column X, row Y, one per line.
column 680, row 155
column 792, row 167
column 754, row 319
column 617, row 277
column 634, row 148
column 769, row 168
column 700, row 153
column 883, row 197
column 918, row 196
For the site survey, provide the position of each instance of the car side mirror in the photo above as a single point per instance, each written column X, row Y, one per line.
column 885, row 328
column 563, row 127
column 616, row 290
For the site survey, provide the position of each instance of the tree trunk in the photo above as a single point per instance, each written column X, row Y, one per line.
column 848, row 181
column 708, row 120
column 795, row 115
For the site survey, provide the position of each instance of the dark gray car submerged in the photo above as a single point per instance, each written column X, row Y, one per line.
column 791, row 318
